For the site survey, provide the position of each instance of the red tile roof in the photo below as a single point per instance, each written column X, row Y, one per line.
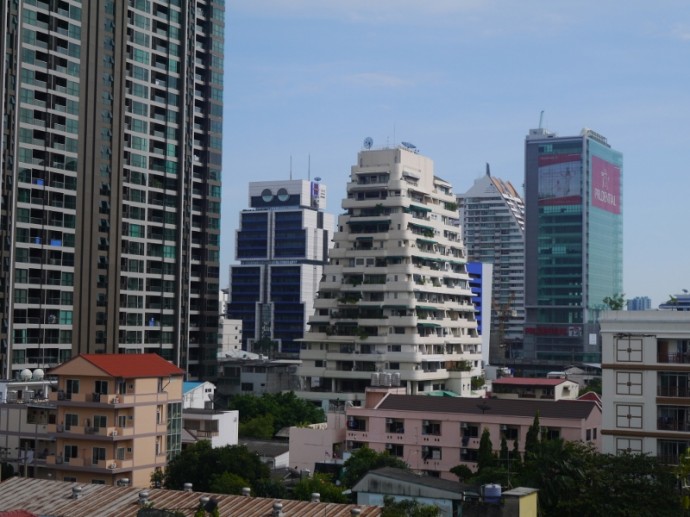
column 133, row 365
column 528, row 381
column 17, row 513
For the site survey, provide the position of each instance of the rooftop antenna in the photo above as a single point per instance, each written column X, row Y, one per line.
column 309, row 167
column 488, row 169
column 541, row 119
column 290, row 166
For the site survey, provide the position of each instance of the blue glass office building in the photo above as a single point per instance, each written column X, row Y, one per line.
column 282, row 245
column 573, row 245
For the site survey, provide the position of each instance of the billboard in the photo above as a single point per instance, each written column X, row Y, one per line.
column 560, row 179
column 606, row 185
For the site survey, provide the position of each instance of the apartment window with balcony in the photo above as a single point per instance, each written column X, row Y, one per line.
column 72, row 386
column 395, row 449
column 98, row 454
column 100, row 422
column 159, row 415
column 101, row 387
column 70, row 451
column 356, row 424
column 431, row 453
column 431, row 427
column 394, row 425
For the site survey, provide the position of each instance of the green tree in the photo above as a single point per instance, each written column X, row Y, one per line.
column 615, row 302
column 286, row 409
column 485, row 455
column 408, row 508
column 532, row 438
column 322, row 485
column 265, row 346
column 463, row 472
column 573, row 479
column 365, row 459
column 201, row 465
column 260, row 427
column 227, row 483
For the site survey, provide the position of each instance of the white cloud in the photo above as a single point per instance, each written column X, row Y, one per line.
column 360, row 10
column 376, row 80
column 681, row 32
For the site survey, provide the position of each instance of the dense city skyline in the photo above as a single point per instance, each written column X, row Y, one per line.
column 307, row 82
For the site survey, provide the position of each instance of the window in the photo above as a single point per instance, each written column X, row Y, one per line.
column 629, row 383
column 247, row 386
column 628, row 445
column 629, row 350
column 100, row 421
column 71, row 420
column 628, row 416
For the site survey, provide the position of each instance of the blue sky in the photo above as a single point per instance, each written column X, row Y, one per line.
column 464, row 80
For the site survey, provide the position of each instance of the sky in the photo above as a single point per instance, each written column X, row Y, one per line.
column 306, row 81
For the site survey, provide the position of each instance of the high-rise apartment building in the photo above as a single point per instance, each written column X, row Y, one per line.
column 111, row 153
column 492, row 214
column 574, row 244
column 639, row 303
column 282, row 245
column 394, row 305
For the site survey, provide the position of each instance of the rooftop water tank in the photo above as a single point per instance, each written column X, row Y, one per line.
column 492, row 493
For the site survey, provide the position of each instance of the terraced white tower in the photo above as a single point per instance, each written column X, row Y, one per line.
column 394, row 305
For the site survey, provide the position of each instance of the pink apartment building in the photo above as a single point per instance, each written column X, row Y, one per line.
column 434, row 434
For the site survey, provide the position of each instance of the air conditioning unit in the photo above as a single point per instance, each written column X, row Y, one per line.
column 112, row 466
column 465, row 426
column 389, row 446
column 389, row 420
column 426, row 422
column 504, row 427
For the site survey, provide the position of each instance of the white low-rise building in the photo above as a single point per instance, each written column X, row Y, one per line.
column 646, row 383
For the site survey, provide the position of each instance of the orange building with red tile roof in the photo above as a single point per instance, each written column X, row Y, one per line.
column 119, row 416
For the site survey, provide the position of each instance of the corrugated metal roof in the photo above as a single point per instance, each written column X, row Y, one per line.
column 48, row 497
column 528, row 381
column 573, row 409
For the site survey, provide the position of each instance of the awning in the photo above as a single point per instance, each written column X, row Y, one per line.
column 369, row 220
column 428, row 325
column 426, row 308
column 420, row 208
column 428, row 241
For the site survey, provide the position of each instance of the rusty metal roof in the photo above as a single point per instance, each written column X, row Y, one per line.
column 55, row 498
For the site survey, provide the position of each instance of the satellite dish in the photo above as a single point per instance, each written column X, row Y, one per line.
column 25, row 374
column 408, row 145
column 318, row 178
column 368, row 142
column 38, row 375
